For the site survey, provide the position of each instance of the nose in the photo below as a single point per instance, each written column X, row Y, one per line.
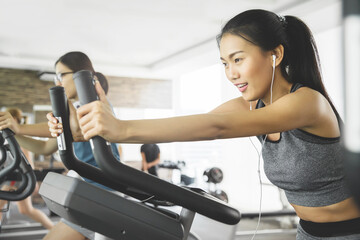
column 233, row 73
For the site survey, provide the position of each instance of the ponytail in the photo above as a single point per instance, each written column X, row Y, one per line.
column 302, row 62
column 103, row 81
column 302, row 55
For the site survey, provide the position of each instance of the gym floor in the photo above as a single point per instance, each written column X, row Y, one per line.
column 19, row 227
column 271, row 228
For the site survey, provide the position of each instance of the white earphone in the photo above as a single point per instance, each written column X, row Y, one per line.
column 274, row 58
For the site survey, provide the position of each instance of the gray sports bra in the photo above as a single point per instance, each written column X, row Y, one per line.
column 308, row 167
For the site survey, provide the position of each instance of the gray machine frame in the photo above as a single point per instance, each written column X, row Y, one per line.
column 110, row 214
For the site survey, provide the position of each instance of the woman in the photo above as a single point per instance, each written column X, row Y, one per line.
column 25, row 206
column 273, row 62
column 65, row 66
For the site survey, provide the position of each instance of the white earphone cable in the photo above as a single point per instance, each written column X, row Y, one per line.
column 259, row 153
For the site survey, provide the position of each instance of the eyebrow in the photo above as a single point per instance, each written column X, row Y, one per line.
column 232, row 54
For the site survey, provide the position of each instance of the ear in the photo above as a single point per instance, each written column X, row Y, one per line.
column 279, row 53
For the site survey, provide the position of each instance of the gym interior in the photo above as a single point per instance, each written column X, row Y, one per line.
column 161, row 60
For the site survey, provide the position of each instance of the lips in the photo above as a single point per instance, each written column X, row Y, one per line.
column 242, row 86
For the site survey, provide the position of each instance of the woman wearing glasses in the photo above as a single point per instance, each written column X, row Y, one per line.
column 65, row 66
column 25, row 206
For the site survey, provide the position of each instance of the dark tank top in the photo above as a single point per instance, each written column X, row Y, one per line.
column 309, row 168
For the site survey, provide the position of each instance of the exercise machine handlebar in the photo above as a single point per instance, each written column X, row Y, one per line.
column 19, row 164
column 195, row 200
column 14, row 149
column 60, row 109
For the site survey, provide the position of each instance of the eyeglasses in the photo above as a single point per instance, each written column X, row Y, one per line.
column 59, row 76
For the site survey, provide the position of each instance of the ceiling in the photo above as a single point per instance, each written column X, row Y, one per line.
column 137, row 37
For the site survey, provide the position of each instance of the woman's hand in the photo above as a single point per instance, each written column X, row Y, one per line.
column 7, row 121
column 97, row 118
column 56, row 128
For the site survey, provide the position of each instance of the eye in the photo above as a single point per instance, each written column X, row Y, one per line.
column 225, row 64
column 236, row 60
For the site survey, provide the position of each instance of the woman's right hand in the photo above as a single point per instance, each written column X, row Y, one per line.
column 56, row 128
column 7, row 121
column 97, row 118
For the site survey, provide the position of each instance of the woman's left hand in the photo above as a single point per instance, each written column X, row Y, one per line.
column 97, row 119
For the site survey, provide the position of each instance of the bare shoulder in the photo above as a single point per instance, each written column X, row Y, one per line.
column 306, row 99
column 321, row 117
column 306, row 92
column 236, row 104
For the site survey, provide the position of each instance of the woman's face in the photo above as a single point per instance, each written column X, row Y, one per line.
column 246, row 66
column 66, row 80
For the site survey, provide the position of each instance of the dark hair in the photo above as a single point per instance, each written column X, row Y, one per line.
column 268, row 30
column 77, row 61
column 16, row 114
column 103, row 81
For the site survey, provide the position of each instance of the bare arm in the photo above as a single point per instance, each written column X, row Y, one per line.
column 144, row 166
column 28, row 157
column 37, row 146
column 236, row 104
column 39, row 129
column 288, row 112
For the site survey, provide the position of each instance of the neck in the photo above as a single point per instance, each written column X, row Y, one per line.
column 280, row 88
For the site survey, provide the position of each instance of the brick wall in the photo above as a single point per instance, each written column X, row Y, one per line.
column 23, row 89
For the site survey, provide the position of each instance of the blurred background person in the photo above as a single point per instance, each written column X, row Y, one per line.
column 150, row 154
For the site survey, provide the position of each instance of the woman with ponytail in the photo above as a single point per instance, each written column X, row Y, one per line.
column 273, row 61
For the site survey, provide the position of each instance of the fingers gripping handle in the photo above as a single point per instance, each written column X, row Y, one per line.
column 60, row 108
column 85, row 88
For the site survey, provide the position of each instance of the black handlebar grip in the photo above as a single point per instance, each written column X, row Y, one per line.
column 84, row 83
column 15, row 151
column 2, row 140
column 60, row 108
column 83, row 79
column 20, row 163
